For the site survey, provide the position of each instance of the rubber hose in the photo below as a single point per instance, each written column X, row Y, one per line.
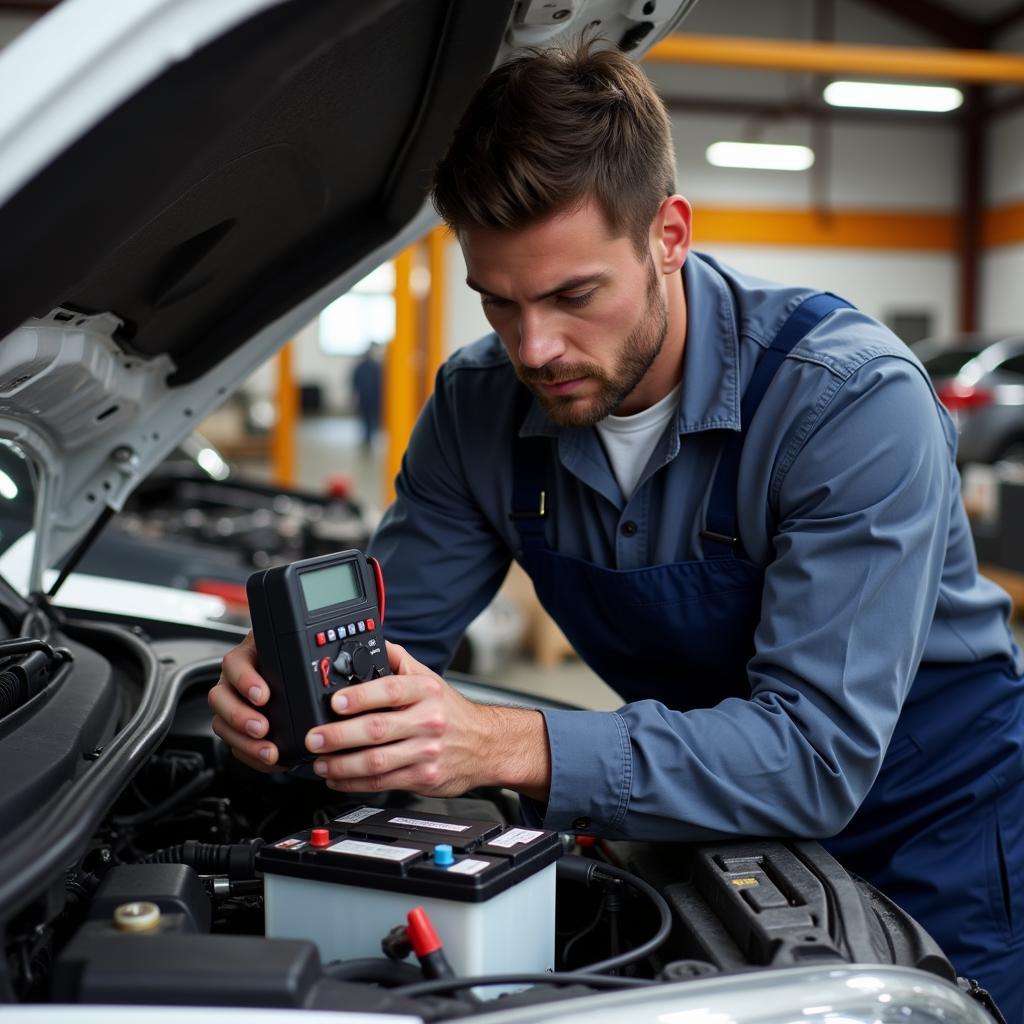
column 236, row 860
column 374, row 969
column 581, row 869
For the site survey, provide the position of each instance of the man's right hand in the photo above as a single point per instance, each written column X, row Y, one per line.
column 233, row 701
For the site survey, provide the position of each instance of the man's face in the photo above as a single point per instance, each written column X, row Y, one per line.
column 582, row 317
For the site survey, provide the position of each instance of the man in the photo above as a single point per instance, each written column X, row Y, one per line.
column 740, row 503
column 367, row 382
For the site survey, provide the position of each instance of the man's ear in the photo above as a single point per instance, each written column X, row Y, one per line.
column 670, row 234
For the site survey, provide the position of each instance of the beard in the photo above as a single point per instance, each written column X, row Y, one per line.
column 639, row 350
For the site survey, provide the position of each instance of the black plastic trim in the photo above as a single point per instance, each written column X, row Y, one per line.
column 39, row 851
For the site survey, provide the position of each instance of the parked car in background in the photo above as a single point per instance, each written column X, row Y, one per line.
column 980, row 379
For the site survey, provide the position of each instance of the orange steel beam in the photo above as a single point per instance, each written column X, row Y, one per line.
column 436, row 244
column 852, row 228
column 282, row 438
column 400, row 376
column 840, row 58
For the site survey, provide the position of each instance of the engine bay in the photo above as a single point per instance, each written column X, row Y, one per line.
column 140, row 861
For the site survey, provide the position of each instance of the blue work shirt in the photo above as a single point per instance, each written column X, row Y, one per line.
column 848, row 496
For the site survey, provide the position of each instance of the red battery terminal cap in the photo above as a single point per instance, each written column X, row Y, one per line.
column 421, row 933
column 320, row 837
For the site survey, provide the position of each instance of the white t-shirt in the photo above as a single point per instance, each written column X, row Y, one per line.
column 629, row 440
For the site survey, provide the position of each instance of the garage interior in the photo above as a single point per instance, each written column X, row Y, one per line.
column 915, row 216
column 869, row 148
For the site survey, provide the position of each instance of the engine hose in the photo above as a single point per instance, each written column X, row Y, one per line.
column 13, row 692
column 194, row 785
column 589, row 872
column 236, row 860
column 22, row 679
column 379, row 970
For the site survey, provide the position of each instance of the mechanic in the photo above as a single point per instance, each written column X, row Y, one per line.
column 739, row 501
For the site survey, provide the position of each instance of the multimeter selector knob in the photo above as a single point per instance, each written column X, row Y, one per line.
column 354, row 660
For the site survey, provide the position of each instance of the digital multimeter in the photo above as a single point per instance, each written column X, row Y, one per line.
column 317, row 627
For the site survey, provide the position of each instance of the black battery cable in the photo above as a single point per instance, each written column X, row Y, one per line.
column 588, row 872
column 592, row 872
column 429, row 988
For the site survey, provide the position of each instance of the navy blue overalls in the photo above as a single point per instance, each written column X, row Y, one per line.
column 946, row 843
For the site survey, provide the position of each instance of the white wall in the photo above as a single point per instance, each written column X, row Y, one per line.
column 464, row 319
column 1001, row 300
column 878, row 282
column 1005, row 159
column 310, row 366
column 904, row 167
column 1002, row 289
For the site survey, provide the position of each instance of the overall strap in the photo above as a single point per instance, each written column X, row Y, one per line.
column 530, row 500
column 720, row 536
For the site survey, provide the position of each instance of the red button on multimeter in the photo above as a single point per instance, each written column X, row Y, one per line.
column 321, row 639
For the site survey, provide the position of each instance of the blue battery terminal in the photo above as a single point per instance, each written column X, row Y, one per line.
column 443, row 856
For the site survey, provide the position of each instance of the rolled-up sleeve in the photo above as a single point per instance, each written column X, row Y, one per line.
column 860, row 503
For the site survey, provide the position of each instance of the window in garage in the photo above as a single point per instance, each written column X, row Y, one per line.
column 362, row 317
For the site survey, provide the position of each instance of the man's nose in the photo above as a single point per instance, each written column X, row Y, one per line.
column 539, row 339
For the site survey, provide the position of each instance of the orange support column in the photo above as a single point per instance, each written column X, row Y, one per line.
column 282, row 439
column 400, row 373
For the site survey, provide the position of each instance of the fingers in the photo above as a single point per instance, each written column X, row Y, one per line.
column 255, row 753
column 239, row 672
column 236, row 713
column 231, row 701
column 411, row 765
column 370, row 721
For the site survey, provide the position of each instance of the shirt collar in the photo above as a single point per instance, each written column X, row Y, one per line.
column 710, row 395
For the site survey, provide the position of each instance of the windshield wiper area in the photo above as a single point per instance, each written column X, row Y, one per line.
column 26, row 666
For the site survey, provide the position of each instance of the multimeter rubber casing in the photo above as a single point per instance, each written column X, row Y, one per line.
column 317, row 627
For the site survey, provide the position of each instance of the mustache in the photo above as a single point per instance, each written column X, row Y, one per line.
column 557, row 374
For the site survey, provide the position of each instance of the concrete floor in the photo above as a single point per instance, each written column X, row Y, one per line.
column 330, row 446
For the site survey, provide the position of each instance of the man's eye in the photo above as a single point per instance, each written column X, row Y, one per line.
column 492, row 300
column 578, row 301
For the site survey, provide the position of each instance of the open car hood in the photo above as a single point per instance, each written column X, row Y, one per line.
column 184, row 184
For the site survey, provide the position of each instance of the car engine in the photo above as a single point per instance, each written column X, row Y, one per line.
column 138, row 856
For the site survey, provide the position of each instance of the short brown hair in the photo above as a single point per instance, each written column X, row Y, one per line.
column 551, row 129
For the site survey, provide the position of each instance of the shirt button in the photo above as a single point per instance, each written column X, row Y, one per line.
column 629, row 528
column 581, row 823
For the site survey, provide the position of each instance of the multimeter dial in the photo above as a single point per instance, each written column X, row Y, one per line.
column 354, row 661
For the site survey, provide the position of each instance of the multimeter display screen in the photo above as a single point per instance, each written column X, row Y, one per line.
column 324, row 587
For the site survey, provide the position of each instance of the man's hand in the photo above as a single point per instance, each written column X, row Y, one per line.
column 413, row 731
column 410, row 730
column 233, row 701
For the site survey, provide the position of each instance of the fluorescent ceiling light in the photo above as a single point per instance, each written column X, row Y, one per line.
column 885, row 96
column 760, row 156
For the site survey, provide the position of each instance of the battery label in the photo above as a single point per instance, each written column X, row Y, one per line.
column 468, row 867
column 359, row 814
column 376, row 850
column 515, row 836
column 440, row 826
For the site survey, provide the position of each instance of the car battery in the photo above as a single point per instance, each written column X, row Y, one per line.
column 488, row 889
